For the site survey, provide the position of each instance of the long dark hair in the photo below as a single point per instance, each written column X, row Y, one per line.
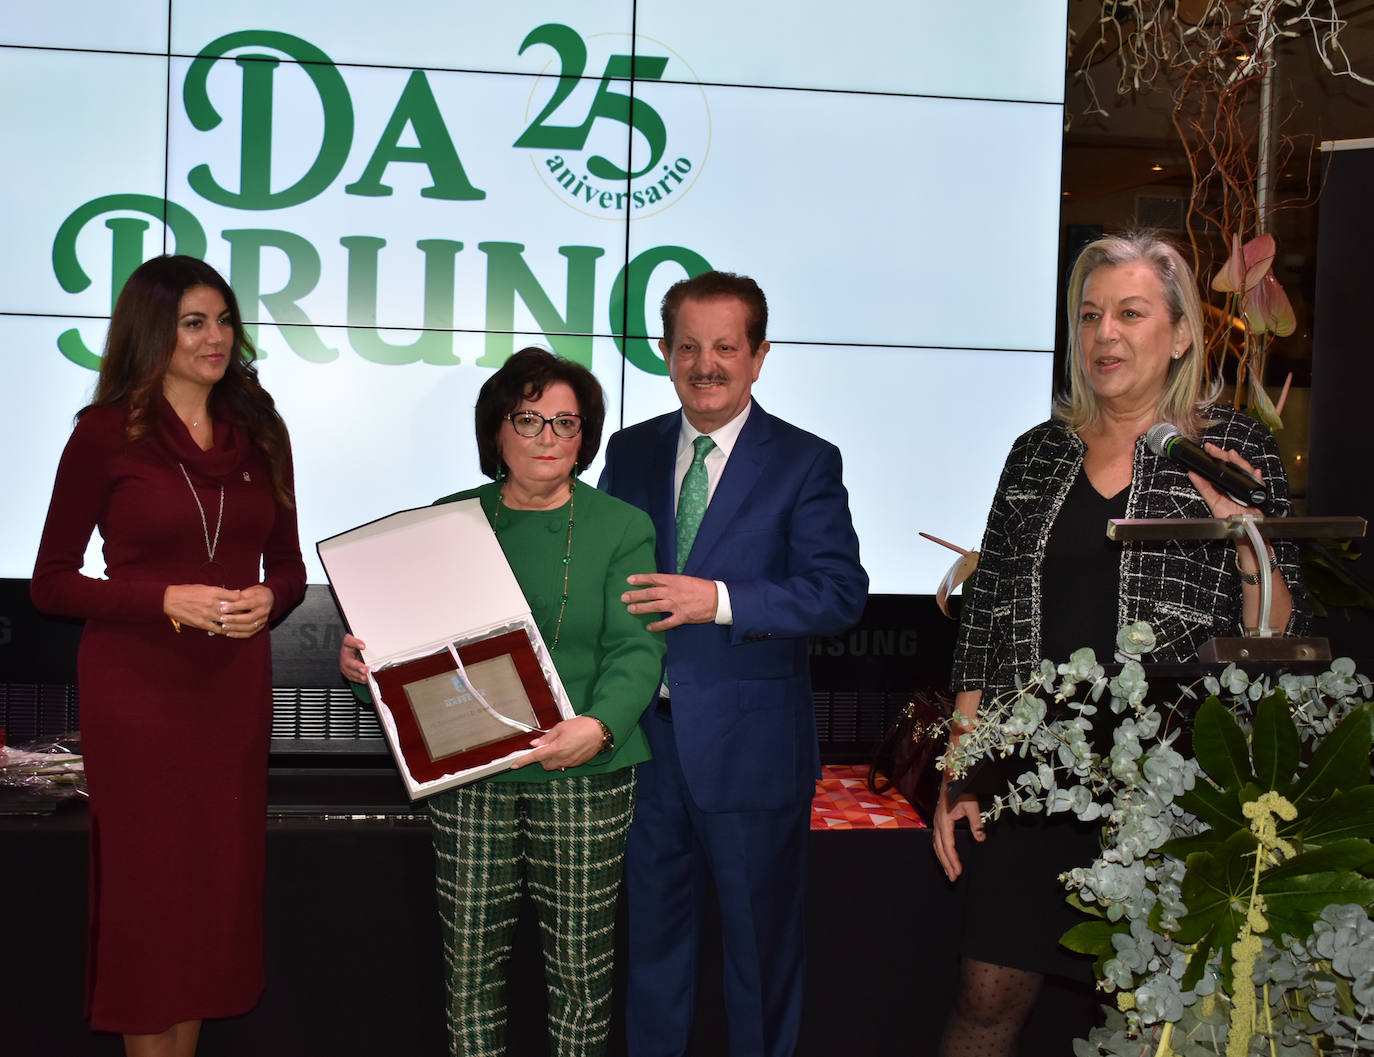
column 143, row 334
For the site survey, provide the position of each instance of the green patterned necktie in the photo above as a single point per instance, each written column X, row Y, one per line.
column 691, row 501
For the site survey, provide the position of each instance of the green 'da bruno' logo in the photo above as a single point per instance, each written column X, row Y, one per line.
column 576, row 162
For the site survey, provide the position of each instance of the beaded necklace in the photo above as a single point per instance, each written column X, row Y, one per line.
column 567, row 556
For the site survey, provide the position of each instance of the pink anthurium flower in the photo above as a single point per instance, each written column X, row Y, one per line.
column 1267, row 308
column 1231, row 278
column 1246, row 266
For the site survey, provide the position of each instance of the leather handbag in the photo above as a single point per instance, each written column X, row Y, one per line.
column 906, row 757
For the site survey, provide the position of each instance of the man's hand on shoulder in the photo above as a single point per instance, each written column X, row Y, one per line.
column 686, row 599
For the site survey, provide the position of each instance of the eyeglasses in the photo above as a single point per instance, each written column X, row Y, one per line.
column 531, row 424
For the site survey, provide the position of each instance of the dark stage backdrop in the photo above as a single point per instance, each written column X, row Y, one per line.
column 1341, row 444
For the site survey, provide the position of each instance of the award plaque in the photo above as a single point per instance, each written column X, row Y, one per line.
column 431, row 593
column 442, row 728
column 452, row 719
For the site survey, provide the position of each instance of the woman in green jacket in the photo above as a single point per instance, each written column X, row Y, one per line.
column 556, row 826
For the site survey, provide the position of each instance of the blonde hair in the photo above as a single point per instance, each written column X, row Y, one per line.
column 1186, row 391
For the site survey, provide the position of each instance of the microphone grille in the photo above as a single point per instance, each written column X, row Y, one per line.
column 1158, row 437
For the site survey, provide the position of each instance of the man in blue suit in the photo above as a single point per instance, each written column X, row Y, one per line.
column 756, row 553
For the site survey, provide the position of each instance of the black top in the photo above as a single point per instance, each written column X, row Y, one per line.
column 1080, row 575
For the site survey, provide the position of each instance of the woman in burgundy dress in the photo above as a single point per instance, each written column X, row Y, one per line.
column 184, row 466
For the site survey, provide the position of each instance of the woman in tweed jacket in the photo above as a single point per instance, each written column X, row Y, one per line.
column 1048, row 582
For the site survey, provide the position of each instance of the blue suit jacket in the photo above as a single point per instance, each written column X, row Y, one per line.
column 779, row 534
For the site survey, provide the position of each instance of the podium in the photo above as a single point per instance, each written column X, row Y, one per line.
column 1258, row 643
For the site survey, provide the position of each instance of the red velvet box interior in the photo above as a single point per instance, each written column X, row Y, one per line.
column 392, row 682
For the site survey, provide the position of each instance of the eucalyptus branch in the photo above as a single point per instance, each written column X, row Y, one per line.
column 1179, row 943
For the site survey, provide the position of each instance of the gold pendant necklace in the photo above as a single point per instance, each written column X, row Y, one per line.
column 567, row 555
column 210, row 548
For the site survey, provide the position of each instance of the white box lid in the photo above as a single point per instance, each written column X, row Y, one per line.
column 421, row 576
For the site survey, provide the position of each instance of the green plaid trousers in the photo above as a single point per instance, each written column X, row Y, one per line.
column 565, row 841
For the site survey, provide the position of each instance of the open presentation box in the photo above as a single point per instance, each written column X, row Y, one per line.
column 433, row 597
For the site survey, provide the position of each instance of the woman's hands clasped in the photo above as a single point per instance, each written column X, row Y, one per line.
column 218, row 610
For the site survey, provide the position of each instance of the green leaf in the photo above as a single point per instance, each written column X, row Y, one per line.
column 1262, row 407
column 1341, row 855
column 1324, row 567
column 1093, row 910
column 1292, row 904
column 1219, row 745
column 1218, row 808
column 1274, row 741
column 1216, row 891
column 1345, row 997
column 1197, row 962
column 1341, row 760
column 1349, row 813
column 1093, row 937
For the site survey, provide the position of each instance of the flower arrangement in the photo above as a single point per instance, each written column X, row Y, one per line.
column 1228, row 911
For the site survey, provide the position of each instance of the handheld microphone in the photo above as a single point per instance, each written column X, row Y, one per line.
column 1167, row 442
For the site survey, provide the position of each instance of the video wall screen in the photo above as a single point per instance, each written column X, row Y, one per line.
column 402, row 195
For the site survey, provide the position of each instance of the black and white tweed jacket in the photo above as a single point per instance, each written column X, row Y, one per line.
column 1189, row 591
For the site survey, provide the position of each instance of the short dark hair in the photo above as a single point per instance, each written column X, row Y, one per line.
column 525, row 376
column 140, row 343
column 710, row 286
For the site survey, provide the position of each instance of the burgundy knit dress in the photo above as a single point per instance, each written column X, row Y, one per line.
column 174, row 726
